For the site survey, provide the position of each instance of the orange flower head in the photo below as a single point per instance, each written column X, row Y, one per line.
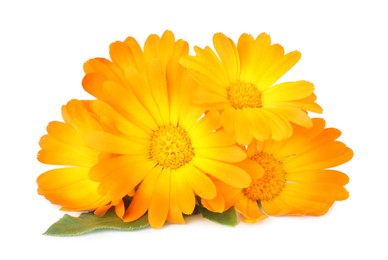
column 240, row 82
column 166, row 148
column 295, row 176
column 64, row 145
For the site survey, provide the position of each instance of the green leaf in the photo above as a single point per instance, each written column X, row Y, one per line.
column 88, row 222
column 228, row 217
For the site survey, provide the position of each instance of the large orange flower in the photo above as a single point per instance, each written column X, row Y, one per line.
column 297, row 176
column 240, row 82
column 165, row 148
column 64, row 145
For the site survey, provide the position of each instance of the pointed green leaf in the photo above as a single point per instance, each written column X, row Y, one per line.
column 88, row 222
column 228, row 217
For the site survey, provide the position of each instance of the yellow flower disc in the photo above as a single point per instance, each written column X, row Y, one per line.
column 273, row 181
column 243, row 95
column 171, row 147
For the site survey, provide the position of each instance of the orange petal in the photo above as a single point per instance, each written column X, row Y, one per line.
column 278, row 67
column 276, row 207
column 269, row 55
column 254, row 169
column 120, row 209
column 318, row 176
column 214, row 139
column 71, row 188
column 303, row 206
column 320, row 192
column 257, row 124
column 217, row 204
column 160, row 202
column 101, row 211
column 227, row 120
column 228, row 173
column 68, row 157
column 242, row 127
column 225, row 154
column 246, row 50
column 138, row 84
column 185, row 194
column 199, row 182
column 110, row 143
column 158, row 86
column 253, row 213
column 102, row 67
column 174, row 212
column 143, row 195
column 287, row 91
column 136, row 52
column 325, row 156
column 227, row 51
column 121, row 55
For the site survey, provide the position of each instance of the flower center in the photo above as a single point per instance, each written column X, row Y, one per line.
column 273, row 181
column 243, row 95
column 171, row 147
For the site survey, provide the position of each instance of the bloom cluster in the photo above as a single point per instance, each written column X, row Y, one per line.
column 169, row 132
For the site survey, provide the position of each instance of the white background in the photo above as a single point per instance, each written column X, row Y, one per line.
column 43, row 45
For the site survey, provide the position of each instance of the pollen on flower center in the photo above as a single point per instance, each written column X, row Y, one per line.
column 243, row 95
column 171, row 147
column 273, row 181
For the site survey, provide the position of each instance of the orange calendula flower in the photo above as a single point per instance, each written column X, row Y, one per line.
column 240, row 83
column 165, row 148
column 64, row 145
column 297, row 177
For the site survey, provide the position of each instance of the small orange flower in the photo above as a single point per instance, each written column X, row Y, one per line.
column 64, row 145
column 240, row 82
column 297, row 179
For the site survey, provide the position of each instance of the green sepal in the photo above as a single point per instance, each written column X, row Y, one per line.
column 228, row 217
column 88, row 222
